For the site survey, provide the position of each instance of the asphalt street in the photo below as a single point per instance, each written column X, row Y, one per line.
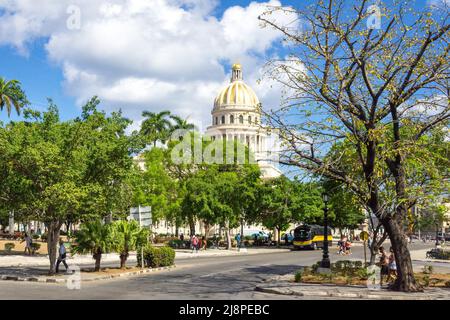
column 227, row 277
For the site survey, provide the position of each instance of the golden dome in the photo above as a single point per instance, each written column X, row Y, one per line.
column 237, row 93
column 237, row 66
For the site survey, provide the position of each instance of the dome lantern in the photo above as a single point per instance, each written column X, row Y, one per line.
column 236, row 73
column 237, row 93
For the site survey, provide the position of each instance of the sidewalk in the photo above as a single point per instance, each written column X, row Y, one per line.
column 35, row 261
column 310, row 291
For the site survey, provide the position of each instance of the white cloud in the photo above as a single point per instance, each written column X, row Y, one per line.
column 154, row 55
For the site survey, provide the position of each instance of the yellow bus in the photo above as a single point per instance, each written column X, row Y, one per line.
column 310, row 237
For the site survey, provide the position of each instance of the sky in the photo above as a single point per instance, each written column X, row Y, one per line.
column 136, row 55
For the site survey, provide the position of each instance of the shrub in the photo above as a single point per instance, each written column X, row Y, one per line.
column 155, row 257
column 175, row 243
column 298, row 276
column 315, row 267
column 427, row 269
column 44, row 237
column 426, row 281
column 9, row 246
column 35, row 236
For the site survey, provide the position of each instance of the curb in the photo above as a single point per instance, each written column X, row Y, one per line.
column 106, row 277
column 431, row 260
column 304, row 293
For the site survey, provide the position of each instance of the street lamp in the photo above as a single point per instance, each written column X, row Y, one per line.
column 325, row 258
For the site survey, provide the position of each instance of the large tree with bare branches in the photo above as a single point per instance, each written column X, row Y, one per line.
column 364, row 100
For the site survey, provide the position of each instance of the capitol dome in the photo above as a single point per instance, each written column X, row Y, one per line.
column 237, row 93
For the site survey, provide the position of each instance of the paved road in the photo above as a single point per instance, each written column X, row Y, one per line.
column 232, row 277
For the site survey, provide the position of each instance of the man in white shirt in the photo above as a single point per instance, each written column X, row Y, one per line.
column 62, row 256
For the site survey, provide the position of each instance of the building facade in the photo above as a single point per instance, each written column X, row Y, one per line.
column 236, row 115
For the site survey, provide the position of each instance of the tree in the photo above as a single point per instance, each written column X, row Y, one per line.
column 127, row 236
column 55, row 170
column 181, row 124
column 345, row 211
column 93, row 237
column 381, row 90
column 11, row 95
column 278, row 198
column 156, row 127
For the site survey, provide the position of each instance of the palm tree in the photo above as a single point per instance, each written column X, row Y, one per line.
column 156, row 127
column 181, row 124
column 94, row 237
column 128, row 236
column 11, row 95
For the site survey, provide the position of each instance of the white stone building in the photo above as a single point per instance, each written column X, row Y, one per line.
column 236, row 115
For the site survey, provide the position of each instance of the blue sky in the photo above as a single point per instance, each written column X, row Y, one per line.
column 180, row 64
column 43, row 77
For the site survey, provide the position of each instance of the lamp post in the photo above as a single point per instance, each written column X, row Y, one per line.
column 325, row 258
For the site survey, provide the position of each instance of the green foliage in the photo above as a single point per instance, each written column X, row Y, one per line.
column 345, row 210
column 93, row 237
column 156, row 126
column 58, row 171
column 11, row 96
column 298, row 276
column 127, row 236
column 427, row 269
column 155, row 257
column 9, row 246
column 349, row 268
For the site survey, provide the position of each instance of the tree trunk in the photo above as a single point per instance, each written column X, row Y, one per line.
column 176, row 229
column 123, row 260
column 192, row 227
column 52, row 242
column 405, row 275
column 228, row 236
column 98, row 257
column 278, row 236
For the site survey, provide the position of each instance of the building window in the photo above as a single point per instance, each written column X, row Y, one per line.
column 249, row 119
column 223, row 119
column 217, row 120
column 241, row 119
column 231, row 119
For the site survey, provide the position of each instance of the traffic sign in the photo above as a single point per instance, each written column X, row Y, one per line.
column 364, row 236
column 141, row 214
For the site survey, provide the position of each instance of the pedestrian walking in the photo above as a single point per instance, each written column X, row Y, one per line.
column 28, row 243
column 384, row 265
column 194, row 243
column 61, row 256
column 238, row 240
column 204, row 243
column 286, row 239
column 341, row 245
column 348, row 247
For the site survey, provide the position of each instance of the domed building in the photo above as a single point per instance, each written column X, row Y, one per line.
column 236, row 115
